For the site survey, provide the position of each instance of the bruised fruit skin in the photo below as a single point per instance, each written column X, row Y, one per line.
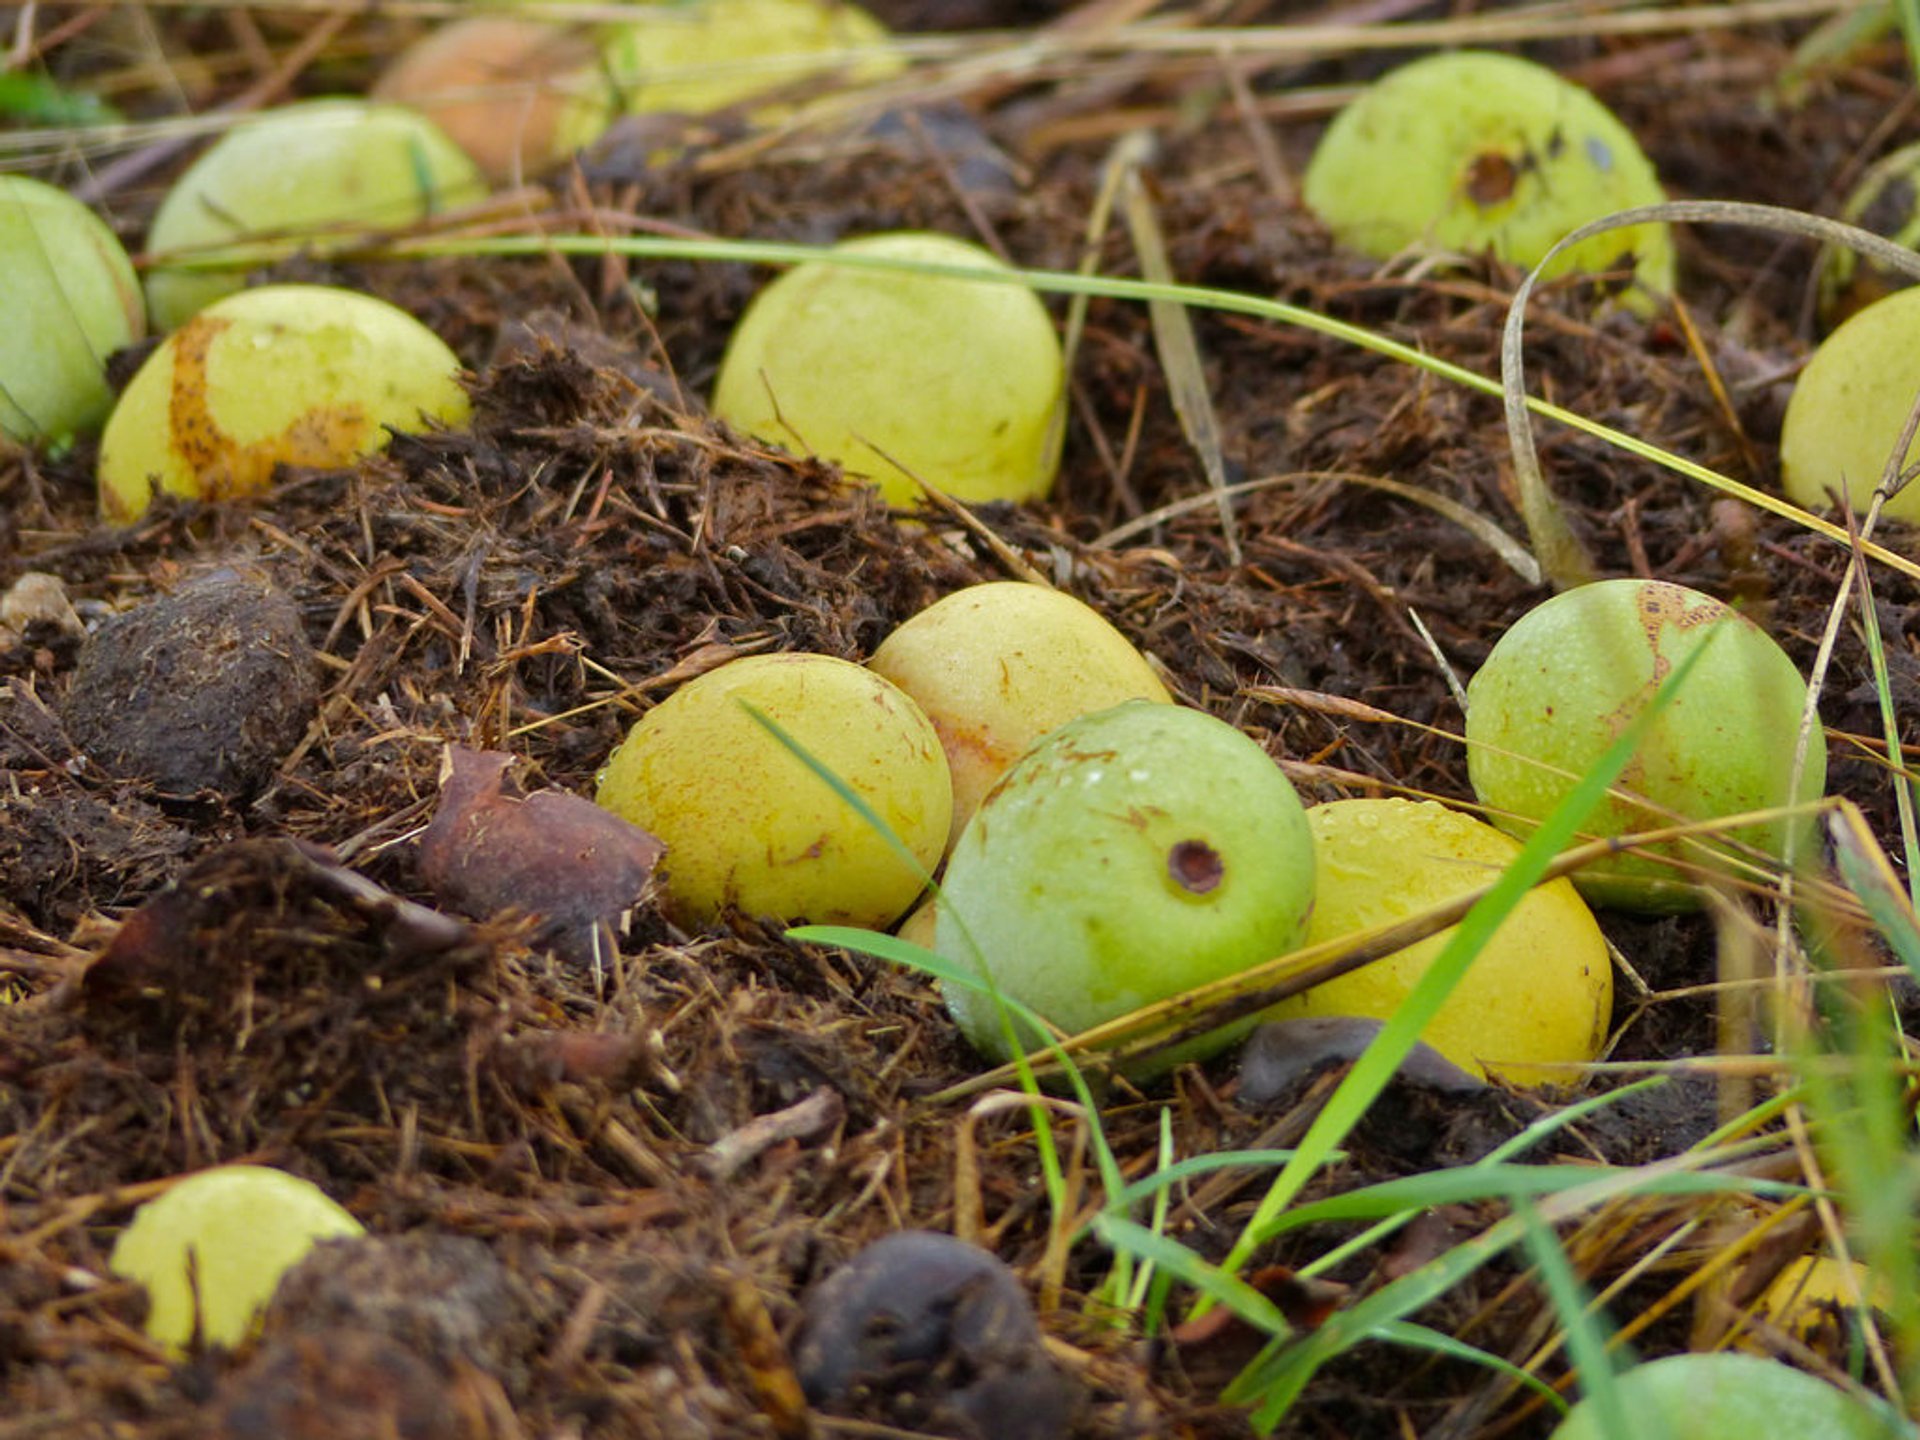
column 956, row 380
column 226, row 1235
column 302, row 170
column 1722, row 1396
column 1538, row 996
column 996, row 666
column 1848, row 409
column 71, row 299
column 517, row 94
column 747, row 824
column 280, row 375
column 1573, row 673
column 1471, row 151
column 1132, row 855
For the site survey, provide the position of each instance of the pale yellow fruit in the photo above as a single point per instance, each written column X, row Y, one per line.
column 748, row 824
column 304, row 170
column 517, row 94
column 281, row 375
column 1539, row 994
column 224, row 1236
column 955, row 380
column 70, row 299
column 1812, row 1301
column 997, row 666
column 707, row 55
column 1849, row 406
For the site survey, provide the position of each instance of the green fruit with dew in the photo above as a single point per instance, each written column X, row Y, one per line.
column 1887, row 202
column 216, row 1245
column 280, row 375
column 1722, row 1396
column 747, row 824
column 996, row 666
column 1538, row 996
column 71, row 299
column 1848, row 409
column 1565, row 681
column 1132, row 855
column 956, row 381
column 1471, row 151
column 301, row 171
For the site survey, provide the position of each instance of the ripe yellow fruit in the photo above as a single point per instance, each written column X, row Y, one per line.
column 516, row 93
column 1539, row 995
column 1849, row 406
column 1472, row 151
column 747, row 824
column 224, row 1237
column 301, row 170
column 997, row 666
column 1811, row 1301
column 281, row 375
column 71, row 299
column 709, row 54
column 956, row 380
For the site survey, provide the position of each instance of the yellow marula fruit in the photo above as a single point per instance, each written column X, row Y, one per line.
column 223, row 1238
column 281, row 375
column 1471, row 151
column 70, row 299
column 1812, row 1301
column 1848, row 409
column 997, row 666
column 1538, row 997
column 748, row 824
column 303, row 170
column 956, row 380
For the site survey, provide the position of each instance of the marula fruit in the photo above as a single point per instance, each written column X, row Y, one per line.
column 1722, row 1396
column 1848, row 409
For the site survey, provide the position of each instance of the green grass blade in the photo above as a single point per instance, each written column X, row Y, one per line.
column 1586, row 1335
column 1169, row 1255
column 1420, row 1337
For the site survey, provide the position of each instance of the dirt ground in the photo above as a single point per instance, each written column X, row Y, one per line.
column 663, row 1153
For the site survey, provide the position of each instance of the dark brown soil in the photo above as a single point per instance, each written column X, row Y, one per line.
column 668, row 1141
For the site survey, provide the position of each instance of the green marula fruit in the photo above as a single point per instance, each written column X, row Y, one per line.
column 1848, row 409
column 1732, row 1397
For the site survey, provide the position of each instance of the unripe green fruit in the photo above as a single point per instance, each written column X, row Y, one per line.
column 1732, row 1397
column 997, row 666
column 280, row 375
column 747, row 824
column 70, row 299
column 1471, row 151
column 956, row 380
column 302, row 170
column 1849, row 407
column 1537, row 997
column 1132, row 855
column 1573, row 672
column 223, row 1238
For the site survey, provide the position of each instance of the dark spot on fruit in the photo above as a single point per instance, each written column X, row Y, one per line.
column 1600, row 154
column 1491, row 178
column 1195, row 866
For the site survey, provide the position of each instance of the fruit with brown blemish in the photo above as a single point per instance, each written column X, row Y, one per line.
column 1132, row 855
column 302, row 171
column 1539, row 994
column 996, row 666
column 71, row 299
column 1849, row 407
column 281, row 375
column 748, row 824
column 1475, row 152
column 1569, row 677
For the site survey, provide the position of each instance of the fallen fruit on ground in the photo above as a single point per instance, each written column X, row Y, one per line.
column 748, row 824
column 217, row 1243
column 281, row 375
column 1816, row 1300
column 1887, row 202
column 1133, row 854
column 516, row 93
column 705, row 56
column 1562, row 684
column 71, row 299
column 301, row 170
column 1731, row 1397
column 1537, row 997
column 1471, row 151
column 996, row 666
column 956, row 381
column 1849, row 407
